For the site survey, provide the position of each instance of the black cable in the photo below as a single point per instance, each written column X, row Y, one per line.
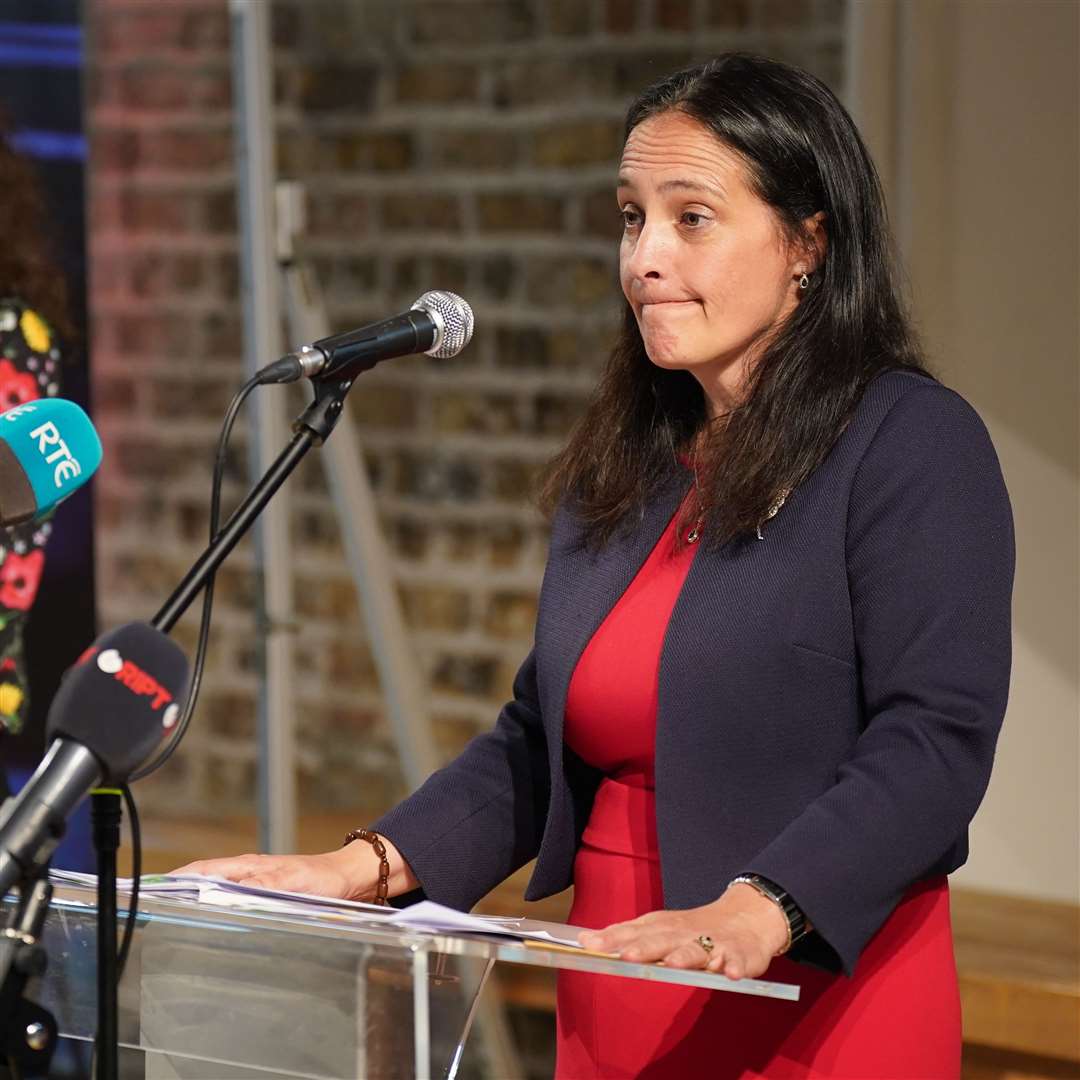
column 208, row 595
column 196, row 678
column 136, row 873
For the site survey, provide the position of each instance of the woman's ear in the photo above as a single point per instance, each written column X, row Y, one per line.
column 817, row 239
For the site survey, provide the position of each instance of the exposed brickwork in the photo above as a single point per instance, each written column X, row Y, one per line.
column 465, row 145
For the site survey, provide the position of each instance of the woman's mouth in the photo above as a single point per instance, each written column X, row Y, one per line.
column 668, row 305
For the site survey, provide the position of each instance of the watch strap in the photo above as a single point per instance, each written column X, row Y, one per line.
column 798, row 926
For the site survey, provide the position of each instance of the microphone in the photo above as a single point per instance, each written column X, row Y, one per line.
column 439, row 324
column 48, row 449
column 114, row 707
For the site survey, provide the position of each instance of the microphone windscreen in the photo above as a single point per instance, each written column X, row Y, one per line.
column 48, row 449
column 455, row 316
column 121, row 698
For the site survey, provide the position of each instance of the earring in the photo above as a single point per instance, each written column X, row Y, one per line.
column 804, row 282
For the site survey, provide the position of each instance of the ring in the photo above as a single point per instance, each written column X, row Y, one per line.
column 706, row 943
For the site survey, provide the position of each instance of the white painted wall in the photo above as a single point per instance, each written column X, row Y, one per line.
column 971, row 109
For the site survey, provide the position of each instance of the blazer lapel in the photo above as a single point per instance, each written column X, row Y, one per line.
column 580, row 588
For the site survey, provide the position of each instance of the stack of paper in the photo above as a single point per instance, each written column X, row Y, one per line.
column 423, row 916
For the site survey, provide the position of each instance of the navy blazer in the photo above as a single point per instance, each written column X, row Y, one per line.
column 829, row 696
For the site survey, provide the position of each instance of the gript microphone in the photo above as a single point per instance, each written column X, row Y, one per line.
column 114, row 707
column 439, row 324
column 48, row 449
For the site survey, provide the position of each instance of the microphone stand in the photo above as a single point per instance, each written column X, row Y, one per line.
column 311, row 428
column 27, row 1031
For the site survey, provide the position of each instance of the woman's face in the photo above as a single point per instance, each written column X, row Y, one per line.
column 703, row 261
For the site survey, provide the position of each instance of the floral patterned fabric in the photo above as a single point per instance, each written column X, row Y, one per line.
column 29, row 369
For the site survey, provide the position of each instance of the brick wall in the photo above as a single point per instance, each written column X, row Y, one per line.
column 465, row 145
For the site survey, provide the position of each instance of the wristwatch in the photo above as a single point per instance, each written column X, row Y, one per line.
column 798, row 925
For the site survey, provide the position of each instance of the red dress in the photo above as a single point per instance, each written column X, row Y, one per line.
column 898, row 1017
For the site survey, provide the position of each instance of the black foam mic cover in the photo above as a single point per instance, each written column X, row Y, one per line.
column 121, row 698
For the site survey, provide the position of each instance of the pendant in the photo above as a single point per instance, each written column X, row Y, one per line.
column 773, row 511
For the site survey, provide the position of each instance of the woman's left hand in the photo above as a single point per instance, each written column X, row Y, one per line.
column 746, row 929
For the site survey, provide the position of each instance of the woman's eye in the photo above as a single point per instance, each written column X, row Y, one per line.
column 692, row 218
column 631, row 219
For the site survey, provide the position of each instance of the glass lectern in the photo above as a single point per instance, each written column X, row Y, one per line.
column 213, row 993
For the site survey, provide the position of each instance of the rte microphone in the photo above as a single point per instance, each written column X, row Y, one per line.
column 439, row 324
column 48, row 449
column 114, row 707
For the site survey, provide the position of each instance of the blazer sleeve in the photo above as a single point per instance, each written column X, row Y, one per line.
column 930, row 559
column 476, row 821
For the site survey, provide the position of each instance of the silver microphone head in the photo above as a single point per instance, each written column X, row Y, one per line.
column 454, row 319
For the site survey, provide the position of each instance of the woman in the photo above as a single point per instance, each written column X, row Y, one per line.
column 773, row 635
column 33, row 305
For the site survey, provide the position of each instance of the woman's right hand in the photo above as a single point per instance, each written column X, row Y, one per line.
column 349, row 873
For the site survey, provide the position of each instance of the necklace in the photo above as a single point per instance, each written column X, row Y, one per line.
column 694, row 535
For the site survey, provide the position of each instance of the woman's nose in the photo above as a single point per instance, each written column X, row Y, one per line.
column 648, row 253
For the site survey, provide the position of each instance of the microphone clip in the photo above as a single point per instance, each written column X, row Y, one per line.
column 321, row 416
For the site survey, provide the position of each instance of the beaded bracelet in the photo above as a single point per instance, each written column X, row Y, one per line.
column 383, row 888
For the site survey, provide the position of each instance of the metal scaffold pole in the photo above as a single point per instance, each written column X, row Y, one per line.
column 262, row 343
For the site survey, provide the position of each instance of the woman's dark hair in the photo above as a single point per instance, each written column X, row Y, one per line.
column 802, row 154
column 28, row 270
